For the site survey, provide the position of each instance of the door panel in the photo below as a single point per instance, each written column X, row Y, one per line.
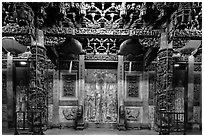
column 101, row 96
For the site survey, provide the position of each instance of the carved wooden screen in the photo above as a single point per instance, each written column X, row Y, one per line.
column 179, row 90
column 101, row 96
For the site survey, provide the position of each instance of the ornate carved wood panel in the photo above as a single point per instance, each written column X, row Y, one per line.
column 133, row 86
column 101, row 96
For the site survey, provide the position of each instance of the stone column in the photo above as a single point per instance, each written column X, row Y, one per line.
column 56, row 91
column 81, row 80
column 164, row 82
column 37, row 95
column 190, row 88
column 145, row 98
column 120, row 77
column 10, row 95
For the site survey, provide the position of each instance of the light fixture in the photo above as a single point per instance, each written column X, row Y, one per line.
column 23, row 63
column 176, row 65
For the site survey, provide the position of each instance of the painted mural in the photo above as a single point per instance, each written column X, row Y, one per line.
column 101, row 96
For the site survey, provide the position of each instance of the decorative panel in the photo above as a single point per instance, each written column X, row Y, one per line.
column 133, row 86
column 197, row 89
column 102, row 57
column 67, row 113
column 68, row 86
column 101, row 96
column 152, row 88
column 179, row 99
column 21, row 96
column 196, row 114
column 134, row 114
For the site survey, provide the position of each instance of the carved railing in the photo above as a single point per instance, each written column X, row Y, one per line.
column 174, row 122
column 25, row 122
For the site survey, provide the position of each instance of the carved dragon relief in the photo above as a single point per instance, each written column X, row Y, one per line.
column 133, row 114
column 69, row 113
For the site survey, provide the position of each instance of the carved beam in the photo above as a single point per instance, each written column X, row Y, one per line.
column 93, row 33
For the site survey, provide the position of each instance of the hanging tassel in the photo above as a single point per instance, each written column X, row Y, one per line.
column 130, row 67
column 70, row 67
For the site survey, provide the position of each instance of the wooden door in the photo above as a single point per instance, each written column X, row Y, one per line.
column 101, row 96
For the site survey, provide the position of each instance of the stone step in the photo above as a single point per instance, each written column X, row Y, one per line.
column 102, row 125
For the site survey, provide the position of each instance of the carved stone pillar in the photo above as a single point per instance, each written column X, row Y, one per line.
column 81, row 80
column 121, row 95
column 56, row 88
column 37, row 94
column 145, row 97
column 164, row 83
column 120, row 76
column 190, row 88
column 81, row 88
column 10, row 96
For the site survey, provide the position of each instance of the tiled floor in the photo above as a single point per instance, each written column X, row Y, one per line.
column 100, row 131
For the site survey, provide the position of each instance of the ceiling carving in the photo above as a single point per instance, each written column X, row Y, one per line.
column 102, row 14
column 60, row 20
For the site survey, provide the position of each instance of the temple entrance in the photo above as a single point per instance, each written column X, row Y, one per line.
column 101, row 103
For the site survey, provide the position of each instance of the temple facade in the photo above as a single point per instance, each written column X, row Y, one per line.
column 119, row 65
